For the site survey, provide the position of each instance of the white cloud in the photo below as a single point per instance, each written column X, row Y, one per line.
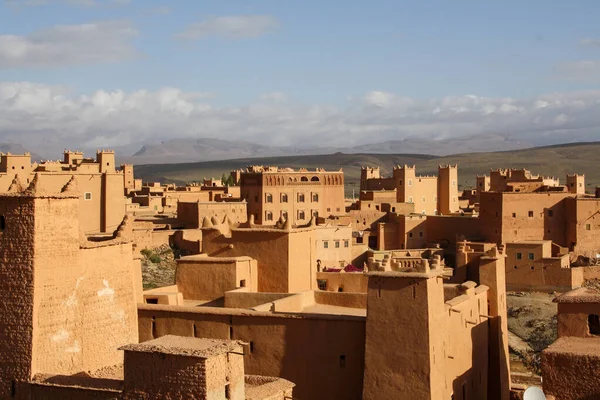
column 276, row 97
column 53, row 118
column 105, row 41
column 235, row 26
column 590, row 42
column 583, row 71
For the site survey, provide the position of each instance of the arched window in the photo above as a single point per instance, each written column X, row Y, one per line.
column 300, row 197
column 315, row 197
column 304, row 179
column 268, row 198
column 268, row 216
column 315, row 179
column 284, row 198
column 284, row 214
column 301, row 214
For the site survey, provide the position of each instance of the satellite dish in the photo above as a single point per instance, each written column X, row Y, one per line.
column 534, row 393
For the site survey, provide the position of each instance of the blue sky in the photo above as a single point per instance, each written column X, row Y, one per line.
column 330, row 54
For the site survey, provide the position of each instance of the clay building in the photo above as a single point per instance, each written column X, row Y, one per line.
column 441, row 340
column 570, row 365
column 287, row 257
column 429, row 194
column 69, row 300
column 191, row 214
column 185, row 368
column 101, row 185
column 273, row 193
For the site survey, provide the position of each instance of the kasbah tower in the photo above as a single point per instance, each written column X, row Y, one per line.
column 62, row 310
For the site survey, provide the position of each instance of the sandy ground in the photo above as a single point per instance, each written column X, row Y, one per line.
column 532, row 318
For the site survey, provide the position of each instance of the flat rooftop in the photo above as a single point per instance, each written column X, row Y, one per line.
column 185, row 346
column 579, row 295
column 576, row 346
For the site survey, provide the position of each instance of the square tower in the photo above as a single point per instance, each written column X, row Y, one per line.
column 68, row 303
column 447, row 189
column 404, row 337
column 576, row 183
column 405, row 177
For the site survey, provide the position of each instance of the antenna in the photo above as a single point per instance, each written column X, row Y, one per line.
column 534, row 393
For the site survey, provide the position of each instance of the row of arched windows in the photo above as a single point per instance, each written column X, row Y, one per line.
column 280, row 180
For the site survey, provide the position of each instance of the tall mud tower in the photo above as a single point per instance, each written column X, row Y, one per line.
column 68, row 303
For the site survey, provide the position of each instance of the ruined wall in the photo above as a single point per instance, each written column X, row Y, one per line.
column 331, row 347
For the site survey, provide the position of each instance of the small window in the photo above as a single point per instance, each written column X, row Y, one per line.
column 227, row 391
column 304, row 179
column 243, row 283
column 410, row 200
column 268, row 198
column 594, row 324
column 340, row 289
column 326, row 244
column 152, row 300
column 315, row 197
column 359, row 240
column 530, row 256
column 300, row 197
column 420, row 234
column 588, row 227
column 514, row 215
column 346, row 243
column 301, row 214
column 519, row 256
column 342, row 361
column 410, row 182
column 530, row 213
column 453, row 183
column 337, row 244
column 314, row 179
column 454, row 199
column 284, row 198
column 409, row 234
column 284, row 214
column 268, row 216
column 87, row 195
column 322, row 284
column 2, row 222
column 550, row 213
column 328, row 209
column 423, row 199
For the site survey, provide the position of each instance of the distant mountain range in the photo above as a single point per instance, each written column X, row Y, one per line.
column 206, row 149
column 555, row 160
